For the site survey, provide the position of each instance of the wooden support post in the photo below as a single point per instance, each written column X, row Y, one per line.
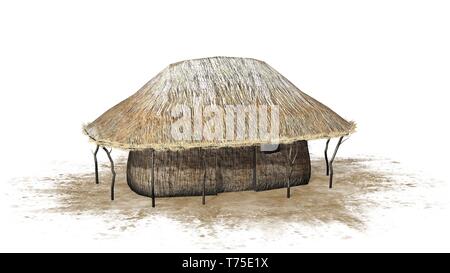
column 215, row 168
column 152, row 179
column 96, row 164
column 288, row 192
column 204, row 177
column 291, row 160
column 332, row 160
column 112, row 171
column 254, row 167
column 326, row 157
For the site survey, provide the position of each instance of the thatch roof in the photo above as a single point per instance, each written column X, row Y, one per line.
column 144, row 119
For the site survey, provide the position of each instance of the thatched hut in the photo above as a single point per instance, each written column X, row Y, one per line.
column 204, row 126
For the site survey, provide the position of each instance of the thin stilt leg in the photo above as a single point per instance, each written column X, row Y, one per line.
column 204, row 178
column 291, row 162
column 332, row 160
column 254, row 167
column 326, row 157
column 152, row 179
column 96, row 164
column 288, row 192
column 112, row 171
column 215, row 168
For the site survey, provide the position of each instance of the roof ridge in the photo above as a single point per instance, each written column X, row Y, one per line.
column 216, row 57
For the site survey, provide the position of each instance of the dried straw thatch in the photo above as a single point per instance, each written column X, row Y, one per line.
column 144, row 119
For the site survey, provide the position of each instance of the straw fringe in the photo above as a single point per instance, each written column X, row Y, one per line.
column 212, row 145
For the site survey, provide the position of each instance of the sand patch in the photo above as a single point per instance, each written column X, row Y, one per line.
column 313, row 204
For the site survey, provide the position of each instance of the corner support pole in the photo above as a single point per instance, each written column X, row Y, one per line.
column 332, row 160
column 96, row 164
column 326, row 157
column 112, row 171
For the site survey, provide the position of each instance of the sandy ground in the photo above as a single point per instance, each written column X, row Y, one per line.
column 77, row 194
column 372, row 203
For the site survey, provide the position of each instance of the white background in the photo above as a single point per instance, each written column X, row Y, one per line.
column 383, row 64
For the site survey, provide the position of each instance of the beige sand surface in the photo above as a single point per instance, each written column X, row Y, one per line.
column 77, row 194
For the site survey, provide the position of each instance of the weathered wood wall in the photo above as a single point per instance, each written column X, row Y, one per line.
column 180, row 173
